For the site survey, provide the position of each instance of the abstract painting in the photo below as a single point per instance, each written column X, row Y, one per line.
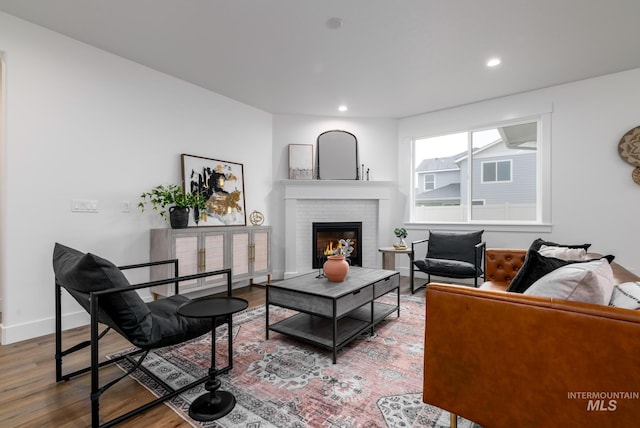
column 222, row 185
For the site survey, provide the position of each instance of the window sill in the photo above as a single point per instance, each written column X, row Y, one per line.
column 487, row 226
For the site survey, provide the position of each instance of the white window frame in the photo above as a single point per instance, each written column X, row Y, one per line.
column 543, row 176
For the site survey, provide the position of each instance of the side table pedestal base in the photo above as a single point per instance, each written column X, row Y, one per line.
column 212, row 405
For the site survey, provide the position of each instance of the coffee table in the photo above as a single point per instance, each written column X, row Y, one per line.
column 330, row 314
column 215, row 403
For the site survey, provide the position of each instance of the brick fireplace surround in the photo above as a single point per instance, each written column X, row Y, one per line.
column 308, row 201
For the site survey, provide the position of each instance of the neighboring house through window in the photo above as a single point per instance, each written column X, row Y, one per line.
column 488, row 174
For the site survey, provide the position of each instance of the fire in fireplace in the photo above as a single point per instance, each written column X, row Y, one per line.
column 327, row 236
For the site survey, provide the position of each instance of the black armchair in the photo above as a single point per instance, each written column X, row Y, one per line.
column 451, row 255
column 102, row 290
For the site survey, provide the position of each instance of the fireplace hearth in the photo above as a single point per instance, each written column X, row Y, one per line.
column 327, row 235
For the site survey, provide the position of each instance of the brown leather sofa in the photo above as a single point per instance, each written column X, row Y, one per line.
column 512, row 360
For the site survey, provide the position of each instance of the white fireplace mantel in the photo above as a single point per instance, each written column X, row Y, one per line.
column 337, row 189
column 328, row 190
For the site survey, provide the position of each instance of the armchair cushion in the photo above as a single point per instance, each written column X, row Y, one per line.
column 168, row 327
column 145, row 325
column 450, row 268
column 86, row 273
column 454, row 245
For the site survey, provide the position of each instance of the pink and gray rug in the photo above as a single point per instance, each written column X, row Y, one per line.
column 282, row 382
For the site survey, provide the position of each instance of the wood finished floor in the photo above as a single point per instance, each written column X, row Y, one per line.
column 30, row 396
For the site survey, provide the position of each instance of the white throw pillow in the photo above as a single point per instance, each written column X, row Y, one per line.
column 589, row 282
column 626, row 295
column 563, row 253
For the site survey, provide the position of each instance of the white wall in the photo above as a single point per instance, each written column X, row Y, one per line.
column 593, row 198
column 377, row 141
column 82, row 123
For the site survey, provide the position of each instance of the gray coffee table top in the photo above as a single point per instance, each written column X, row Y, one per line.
column 357, row 277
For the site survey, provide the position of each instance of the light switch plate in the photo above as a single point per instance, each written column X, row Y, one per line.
column 84, row 206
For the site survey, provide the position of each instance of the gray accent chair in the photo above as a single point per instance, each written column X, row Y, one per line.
column 450, row 254
column 104, row 292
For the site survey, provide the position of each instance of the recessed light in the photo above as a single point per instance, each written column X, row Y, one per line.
column 493, row 62
column 343, row 108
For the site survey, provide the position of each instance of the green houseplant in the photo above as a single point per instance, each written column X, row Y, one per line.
column 174, row 200
column 400, row 233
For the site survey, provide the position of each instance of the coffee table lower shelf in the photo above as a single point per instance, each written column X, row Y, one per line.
column 319, row 330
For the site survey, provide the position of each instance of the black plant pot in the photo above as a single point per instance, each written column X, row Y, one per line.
column 179, row 217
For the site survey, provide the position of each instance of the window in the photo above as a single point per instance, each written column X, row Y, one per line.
column 429, row 182
column 496, row 171
column 479, row 175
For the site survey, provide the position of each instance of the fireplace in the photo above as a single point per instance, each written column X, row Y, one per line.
column 327, row 235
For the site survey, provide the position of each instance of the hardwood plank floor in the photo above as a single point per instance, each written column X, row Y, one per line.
column 30, row 396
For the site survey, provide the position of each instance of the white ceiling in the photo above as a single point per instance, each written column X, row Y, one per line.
column 391, row 58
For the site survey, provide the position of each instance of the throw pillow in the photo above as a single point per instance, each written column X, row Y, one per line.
column 564, row 253
column 589, row 282
column 626, row 295
column 535, row 245
column 536, row 266
column 86, row 273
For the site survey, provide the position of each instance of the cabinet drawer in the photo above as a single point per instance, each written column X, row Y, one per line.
column 354, row 300
column 384, row 286
column 300, row 301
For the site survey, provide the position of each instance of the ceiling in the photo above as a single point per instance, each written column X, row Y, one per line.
column 390, row 58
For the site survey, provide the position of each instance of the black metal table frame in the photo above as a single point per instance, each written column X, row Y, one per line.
column 370, row 324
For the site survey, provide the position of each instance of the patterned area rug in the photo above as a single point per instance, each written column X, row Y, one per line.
column 282, row 382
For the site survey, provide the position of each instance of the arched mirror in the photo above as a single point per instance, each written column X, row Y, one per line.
column 337, row 156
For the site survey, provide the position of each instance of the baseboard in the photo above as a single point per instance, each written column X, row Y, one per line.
column 43, row 327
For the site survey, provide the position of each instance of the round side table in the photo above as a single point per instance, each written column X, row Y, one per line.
column 213, row 404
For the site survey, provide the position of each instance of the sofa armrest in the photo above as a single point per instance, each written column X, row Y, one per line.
column 504, row 359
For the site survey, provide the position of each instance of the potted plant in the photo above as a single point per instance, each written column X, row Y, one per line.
column 178, row 202
column 400, row 233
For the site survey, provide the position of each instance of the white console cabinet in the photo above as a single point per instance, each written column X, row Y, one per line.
column 246, row 250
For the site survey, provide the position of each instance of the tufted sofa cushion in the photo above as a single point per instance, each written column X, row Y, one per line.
column 502, row 264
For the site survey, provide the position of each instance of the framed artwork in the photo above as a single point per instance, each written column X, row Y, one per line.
column 222, row 185
column 300, row 161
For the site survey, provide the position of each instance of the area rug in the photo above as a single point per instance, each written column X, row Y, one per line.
column 283, row 382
